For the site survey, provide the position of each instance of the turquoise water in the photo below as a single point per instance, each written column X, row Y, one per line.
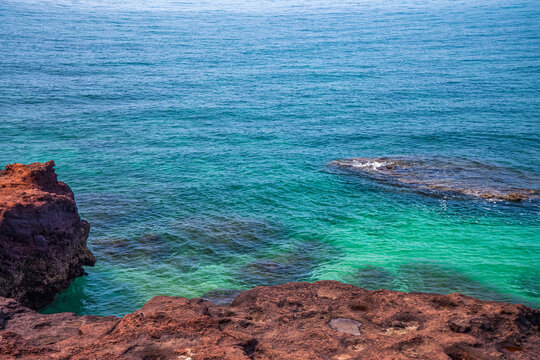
column 196, row 138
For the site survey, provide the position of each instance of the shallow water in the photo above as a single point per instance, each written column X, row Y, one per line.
column 196, row 138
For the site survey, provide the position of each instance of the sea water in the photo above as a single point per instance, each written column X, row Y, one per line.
column 196, row 137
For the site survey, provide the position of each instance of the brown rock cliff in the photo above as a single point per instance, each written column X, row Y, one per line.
column 42, row 238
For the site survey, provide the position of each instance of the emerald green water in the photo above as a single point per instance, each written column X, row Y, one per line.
column 196, row 138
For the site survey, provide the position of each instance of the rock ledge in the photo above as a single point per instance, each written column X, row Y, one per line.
column 322, row 320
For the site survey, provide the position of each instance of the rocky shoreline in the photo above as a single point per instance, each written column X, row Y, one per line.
column 322, row 320
column 43, row 247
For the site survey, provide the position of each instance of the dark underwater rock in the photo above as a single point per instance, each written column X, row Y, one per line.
column 42, row 238
column 322, row 320
column 446, row 176
column 221, row 297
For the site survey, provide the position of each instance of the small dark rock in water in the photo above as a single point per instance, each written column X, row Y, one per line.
column 42, row 238
column 221, row 297
column 455, row 176
column 374, row 278
column 290, row 321
column 513, row 196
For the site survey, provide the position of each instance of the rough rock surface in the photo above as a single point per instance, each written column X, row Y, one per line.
column 323, row 320
column 42, row 238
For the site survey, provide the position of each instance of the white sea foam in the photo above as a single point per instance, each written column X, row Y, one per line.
column 369, row 164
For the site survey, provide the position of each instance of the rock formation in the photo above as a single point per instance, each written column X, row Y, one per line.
column 42, row 238
column 323, row 320
column 436, row 176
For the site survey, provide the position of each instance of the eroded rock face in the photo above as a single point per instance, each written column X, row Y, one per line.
column 323, row 320
column 42, row 238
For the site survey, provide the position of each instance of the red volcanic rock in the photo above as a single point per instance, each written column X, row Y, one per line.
column 323, row 320
column 42, row 238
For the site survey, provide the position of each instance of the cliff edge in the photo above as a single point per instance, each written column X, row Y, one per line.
column 42, row 237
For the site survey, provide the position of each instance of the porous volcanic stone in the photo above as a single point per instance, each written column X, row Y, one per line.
column 290, row 321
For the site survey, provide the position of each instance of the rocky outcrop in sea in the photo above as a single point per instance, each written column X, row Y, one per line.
column 42, row 237
column 443, row 176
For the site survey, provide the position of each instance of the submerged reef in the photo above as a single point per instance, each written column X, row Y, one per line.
column 446, row 176
column 42, row 237
column 322, row 320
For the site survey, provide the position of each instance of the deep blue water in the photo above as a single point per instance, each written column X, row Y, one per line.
column 196, row 138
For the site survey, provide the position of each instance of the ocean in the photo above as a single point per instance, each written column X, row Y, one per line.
column 197, row 136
